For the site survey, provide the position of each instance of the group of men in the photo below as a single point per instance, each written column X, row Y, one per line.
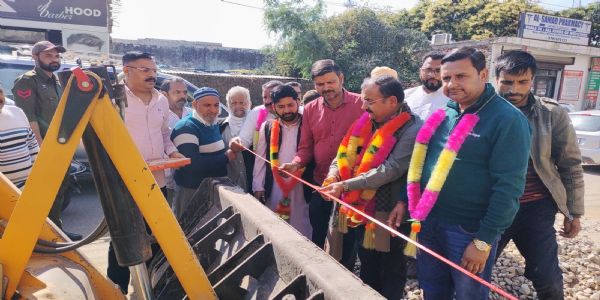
column 516, row 165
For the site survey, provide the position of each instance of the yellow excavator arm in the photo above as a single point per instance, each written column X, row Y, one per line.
column 25, row 213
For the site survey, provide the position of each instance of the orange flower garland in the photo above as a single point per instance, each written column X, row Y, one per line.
column 359, row 153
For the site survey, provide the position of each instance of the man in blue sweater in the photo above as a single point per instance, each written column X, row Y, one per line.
column 480, row 197
column 197, row 136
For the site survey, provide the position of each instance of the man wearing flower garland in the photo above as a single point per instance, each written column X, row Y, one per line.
column 278, row 142
column 388, row 135
column 470, row 161
column 554, row 176
column 325, row 122
column 248, row 136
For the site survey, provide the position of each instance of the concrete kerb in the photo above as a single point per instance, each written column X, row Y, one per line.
column 294, row 253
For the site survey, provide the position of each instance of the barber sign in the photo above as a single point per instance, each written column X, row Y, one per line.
column 75, row 12
column 554, row 29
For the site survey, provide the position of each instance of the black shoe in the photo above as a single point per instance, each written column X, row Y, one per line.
column 73, row 236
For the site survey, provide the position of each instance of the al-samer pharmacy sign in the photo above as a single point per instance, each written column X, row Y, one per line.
column 554, row 29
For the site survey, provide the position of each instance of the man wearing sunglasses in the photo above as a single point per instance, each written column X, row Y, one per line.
column 147, row 120
column 382, row 264
column 423, row 100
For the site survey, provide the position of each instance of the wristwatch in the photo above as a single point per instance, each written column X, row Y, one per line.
column 345, row 186
column 481, row 245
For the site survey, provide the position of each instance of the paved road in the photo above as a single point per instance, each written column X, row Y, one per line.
column 84, row 213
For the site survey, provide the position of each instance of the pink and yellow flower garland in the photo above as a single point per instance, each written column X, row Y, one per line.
column 357, row 156
column 419, row 205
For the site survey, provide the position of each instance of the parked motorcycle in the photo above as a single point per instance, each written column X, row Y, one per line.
column 77, row 169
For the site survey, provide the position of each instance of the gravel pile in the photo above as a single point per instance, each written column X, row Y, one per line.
column 579, row 260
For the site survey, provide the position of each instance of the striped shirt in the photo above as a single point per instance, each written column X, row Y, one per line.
column 18, row 147
column 202, row 144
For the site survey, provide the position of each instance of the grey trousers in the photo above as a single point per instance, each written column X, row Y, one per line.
column 181, row 199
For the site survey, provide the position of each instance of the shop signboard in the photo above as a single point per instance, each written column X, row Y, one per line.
column 593, row 86
column 73, row 12
column 554, row 29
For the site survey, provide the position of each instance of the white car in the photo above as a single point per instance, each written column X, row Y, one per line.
column 587, row 127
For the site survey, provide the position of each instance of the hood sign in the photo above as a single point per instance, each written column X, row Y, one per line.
column 67, row 13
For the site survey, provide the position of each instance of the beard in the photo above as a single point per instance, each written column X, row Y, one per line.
column 206, row 120
column 432, row 84
column 289, row 117
column 51, row 67
column 240, row 113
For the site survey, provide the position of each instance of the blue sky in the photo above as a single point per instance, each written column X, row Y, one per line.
column 232, row 25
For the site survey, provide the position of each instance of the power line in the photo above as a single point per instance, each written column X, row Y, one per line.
column 244, row 5
column 345, row 5
column 552, row 4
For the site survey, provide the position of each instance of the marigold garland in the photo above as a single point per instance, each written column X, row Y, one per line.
column 419, row 205
column 358, row 153
column 283, row 209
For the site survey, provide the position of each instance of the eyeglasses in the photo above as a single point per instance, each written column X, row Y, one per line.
column 143, row 69
column 431, row 71
column 370, row 102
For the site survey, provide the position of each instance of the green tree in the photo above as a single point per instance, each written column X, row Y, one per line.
column 361, row 39
column 589, row 13
column 497, row 19
column 296, row 25
column 448, row 16
column 410, row 18
column 358, row 40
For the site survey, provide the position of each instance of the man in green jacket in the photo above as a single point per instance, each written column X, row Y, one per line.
column 37, row 93
column 554, row 181
column 481, row 194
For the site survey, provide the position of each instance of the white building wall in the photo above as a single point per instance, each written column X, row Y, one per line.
column 582, row 63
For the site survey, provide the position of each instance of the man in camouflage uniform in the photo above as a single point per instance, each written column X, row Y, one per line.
column 37, row 93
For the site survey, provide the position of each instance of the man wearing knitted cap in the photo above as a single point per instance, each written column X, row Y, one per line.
column 197, row 136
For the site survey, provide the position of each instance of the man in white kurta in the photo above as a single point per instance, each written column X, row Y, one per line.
column 286, row 107
column 423, row 100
